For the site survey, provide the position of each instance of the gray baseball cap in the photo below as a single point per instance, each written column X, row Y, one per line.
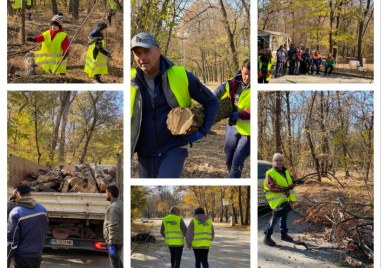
column 145, row 40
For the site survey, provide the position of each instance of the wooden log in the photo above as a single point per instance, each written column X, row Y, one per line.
column 185, row 121
column 100, row 179
column 46, row 185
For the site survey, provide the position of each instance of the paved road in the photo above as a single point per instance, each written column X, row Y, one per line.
column 75, row 259
column 290, row 255
column 333, row 78
column 230, row 249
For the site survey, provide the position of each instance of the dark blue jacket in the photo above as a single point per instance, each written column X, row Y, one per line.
column 27, row 228
column 154, row 138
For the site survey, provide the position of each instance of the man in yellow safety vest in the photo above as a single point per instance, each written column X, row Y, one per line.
column 278, row 187
column 173, row 229
column 159, row 86
column 200, row 235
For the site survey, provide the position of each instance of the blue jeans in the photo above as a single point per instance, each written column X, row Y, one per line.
column 280, row 213
column 168, row 165
column 279, row 69
column 237, row 149
column 297, row 67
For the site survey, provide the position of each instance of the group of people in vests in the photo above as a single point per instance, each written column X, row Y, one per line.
column 198, row 236
column 52, row 57
column 157, row 86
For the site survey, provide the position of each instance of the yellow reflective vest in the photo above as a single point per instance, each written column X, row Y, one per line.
column 269, row 67
column 95, row 65
column 243, row 126
column 202, row 234
column 51, row 53
column 172, row 230
column 275, row 199
column 16, row 4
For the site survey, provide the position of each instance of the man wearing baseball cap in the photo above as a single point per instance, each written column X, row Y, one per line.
column 54, row 47
column 159, row 86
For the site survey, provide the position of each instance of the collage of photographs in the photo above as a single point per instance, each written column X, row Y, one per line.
column 128, row 137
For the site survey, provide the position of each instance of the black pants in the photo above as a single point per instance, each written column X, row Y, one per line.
column 201, row 257
column 27, row 262
column 116, row 262
column 176, row 253
column 262, row 80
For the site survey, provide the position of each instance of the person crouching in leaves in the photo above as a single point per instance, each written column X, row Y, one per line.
column 54, row 47
column 96, row 57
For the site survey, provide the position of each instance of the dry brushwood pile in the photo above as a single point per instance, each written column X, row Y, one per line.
column 347, row 214
column 73, row 179
column 185, row 121
column 143, row 238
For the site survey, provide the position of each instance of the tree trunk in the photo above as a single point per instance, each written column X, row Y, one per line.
column 89, row 134
column 240, row 204
column 247, row 218
column 36, row 130
column 277, row 122
column 65, row 115
column 230, row 33
column 54, row 6
column 22, row 23
column 361, row 32
column 289, row 126
column 64, row 98
column 308, row 134
column 73, row 9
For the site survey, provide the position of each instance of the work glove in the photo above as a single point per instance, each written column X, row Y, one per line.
column 195, row 136
column 233, row 118
column 31, row 39
column 112, row 250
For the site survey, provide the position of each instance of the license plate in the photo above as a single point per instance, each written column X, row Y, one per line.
column 61, row 242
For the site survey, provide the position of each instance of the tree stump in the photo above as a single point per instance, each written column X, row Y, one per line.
column 185, row 121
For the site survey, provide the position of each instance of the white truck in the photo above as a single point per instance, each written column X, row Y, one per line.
column 75, row 219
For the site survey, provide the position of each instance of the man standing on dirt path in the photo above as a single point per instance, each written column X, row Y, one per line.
column 173, row 229
column 237, row 139
column 27, row 230
column 113, row 226
column 278, row 187
column 54, row 47
column 160, row 86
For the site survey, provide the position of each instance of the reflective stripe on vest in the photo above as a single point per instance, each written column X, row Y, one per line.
column 275, row 199
column 178, row 82
column 133, row 91
column 98, row 65
column 202, row 236
column 243, row 126
column 172, row 230
column 50, row 54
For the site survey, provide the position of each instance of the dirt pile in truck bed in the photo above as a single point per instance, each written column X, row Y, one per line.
column 73, row 179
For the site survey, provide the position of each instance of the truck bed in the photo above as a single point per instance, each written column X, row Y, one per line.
column 72, row 205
